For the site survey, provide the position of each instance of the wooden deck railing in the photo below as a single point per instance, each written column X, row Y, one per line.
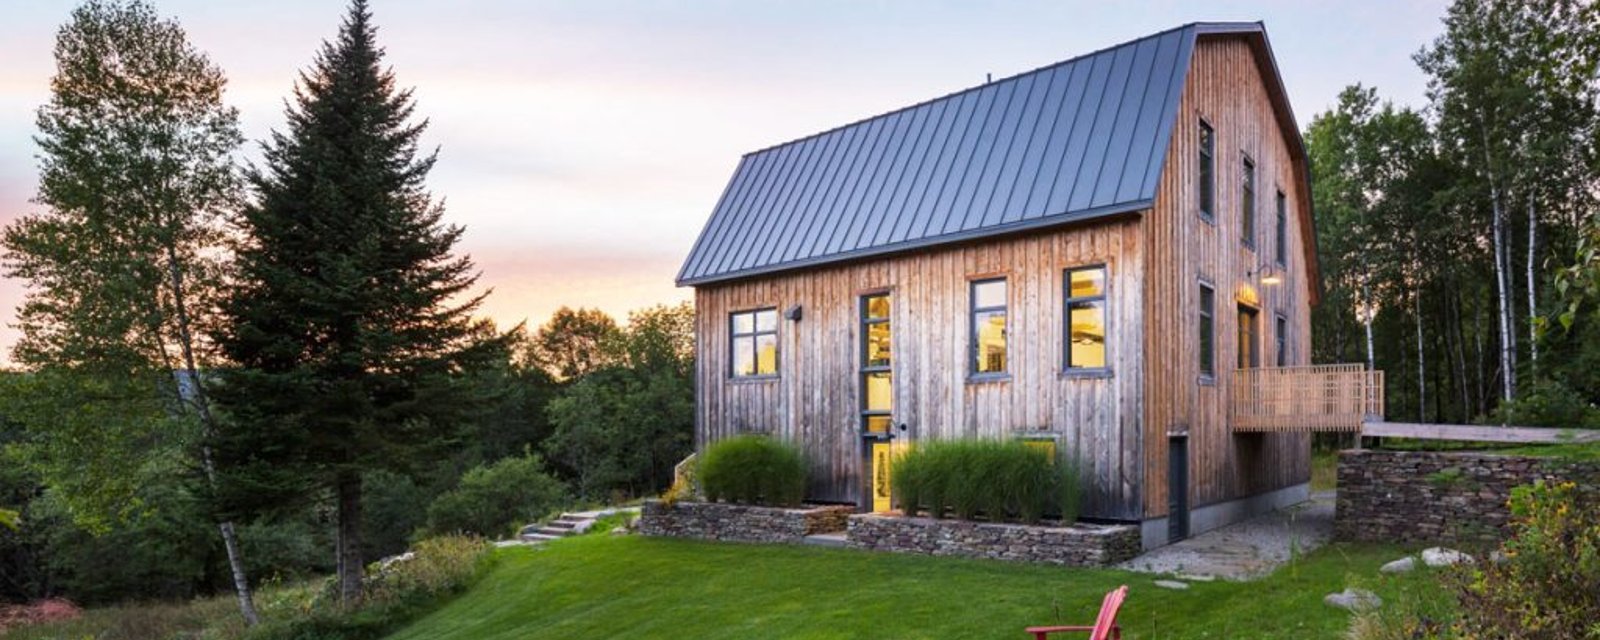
column 1333, row 397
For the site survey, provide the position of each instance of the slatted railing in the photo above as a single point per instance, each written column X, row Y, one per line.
column 1332, row 397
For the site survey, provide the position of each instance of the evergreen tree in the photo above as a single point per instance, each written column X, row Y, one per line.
column 136, row 169
column 351, row 319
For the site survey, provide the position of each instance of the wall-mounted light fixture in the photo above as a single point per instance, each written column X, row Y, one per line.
column 793, row 314
column 1271, row 274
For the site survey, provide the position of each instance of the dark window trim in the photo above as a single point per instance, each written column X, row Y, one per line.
column 1242, row 308
column 1282, row 238
column 1208, row 159
column 863, row 370
column 1209, row 292
column 973, row 375
column 754, row 333
column 1102, row 371
column 1247, row 202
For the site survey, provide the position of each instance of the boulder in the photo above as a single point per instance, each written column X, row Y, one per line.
column 1403, row 565
column 1172, row 584
column 1442, row 557
column 1352, row 599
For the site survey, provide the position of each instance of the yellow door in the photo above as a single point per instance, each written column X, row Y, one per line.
column 882, row 458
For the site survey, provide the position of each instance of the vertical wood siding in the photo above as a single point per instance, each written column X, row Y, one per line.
column 815, row 398
column 1224, row 87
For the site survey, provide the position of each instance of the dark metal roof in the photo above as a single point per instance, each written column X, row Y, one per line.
column 1078, row 139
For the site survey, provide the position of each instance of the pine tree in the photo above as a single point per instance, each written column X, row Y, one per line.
column 352, row 316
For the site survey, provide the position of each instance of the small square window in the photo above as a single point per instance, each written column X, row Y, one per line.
column 754, row 343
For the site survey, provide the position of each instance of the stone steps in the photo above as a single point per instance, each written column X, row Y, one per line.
column 568, row 524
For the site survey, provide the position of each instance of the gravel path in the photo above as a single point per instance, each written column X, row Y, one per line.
column 1245, row 550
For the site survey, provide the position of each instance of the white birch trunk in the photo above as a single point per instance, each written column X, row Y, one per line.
column 1502, row 281
column 1533, row 298
column 1422, row 369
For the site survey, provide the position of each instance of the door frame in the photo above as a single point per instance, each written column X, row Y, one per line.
column 870, row 440
column 1177, row 487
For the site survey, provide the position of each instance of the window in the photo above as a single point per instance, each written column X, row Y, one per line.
column 1247, row 199
column 755, row 343
column 1249, row 343
column 1281, row 335
column 989, row 326
column 877, row 382
column 1208, row 172
column 1208, row 341
column 1283, row 230
column 1086, row 318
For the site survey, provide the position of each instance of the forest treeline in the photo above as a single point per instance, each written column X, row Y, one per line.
column 1456, row 237
column 233, row 373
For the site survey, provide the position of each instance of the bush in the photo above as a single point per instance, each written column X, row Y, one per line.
column 493, row 500
column 1545, row 586
column 1001, row 479
column 753, row 470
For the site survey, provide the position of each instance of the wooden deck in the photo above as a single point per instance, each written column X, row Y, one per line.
column 1337, row 397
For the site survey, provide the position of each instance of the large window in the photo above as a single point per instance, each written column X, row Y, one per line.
column 1208, row 338
column 1208, row 172
column 1086, row 318
column 1281, row 336
column 989, row 327
column 1247, row 205
column 754, row 343
column 877, row 377
column 1283, row 230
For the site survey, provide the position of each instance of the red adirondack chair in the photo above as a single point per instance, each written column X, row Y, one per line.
column 1105, row 627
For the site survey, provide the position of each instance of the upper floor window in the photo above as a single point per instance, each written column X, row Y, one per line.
column 1281, row 335
column 754, row 342
column 1283, row 230
column 1086, row 318
column 1247, row 205
column 989, row 326
column 1208, row 172
column 1208, row 323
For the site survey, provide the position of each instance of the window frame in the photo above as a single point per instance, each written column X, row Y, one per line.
column 865, row 370
column 972, row 328
column 1282, row 239
column 754, row 335
column 1280, row 327
column 1207, row 180
column 1067, row 369
column 1247, row 202
column 1206, row 322
column 1247, row 348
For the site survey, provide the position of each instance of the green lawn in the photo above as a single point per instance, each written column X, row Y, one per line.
column 604, row 586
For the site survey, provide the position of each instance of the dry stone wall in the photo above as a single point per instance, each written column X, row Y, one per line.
column 1082, row 545
column 739, row 523
column 1441, row 497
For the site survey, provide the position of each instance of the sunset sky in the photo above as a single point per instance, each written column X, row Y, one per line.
column 583, row 144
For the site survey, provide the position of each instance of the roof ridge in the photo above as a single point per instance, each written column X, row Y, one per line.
column 1009, row 78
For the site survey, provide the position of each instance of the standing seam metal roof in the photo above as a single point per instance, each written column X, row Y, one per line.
column 1078, row 139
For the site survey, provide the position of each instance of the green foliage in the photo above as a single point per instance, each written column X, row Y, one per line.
column 9, row 519
column 752, row 469
column 1549, row 403
column 494, row 500
column 1001, row 479
column 574, row 343
column 167, row 551
column 1545, row 586
column 620, row 430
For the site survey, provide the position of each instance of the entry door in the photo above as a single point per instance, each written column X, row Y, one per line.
column 1177, row 488
column 877, row 397
column 1249, row 338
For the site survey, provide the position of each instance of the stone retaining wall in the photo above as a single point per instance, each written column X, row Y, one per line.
column 1081, row 545
column 1420, row 496
column 739, row 523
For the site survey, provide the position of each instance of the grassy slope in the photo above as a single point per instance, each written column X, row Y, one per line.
column 603, row 586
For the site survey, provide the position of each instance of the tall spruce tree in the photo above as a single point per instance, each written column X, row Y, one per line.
column 123, row 264
column 351, row 316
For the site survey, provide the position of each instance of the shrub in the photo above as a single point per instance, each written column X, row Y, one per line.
column 1001, row 479
column 492, row 500
column 1545, row 585
column 753, row 470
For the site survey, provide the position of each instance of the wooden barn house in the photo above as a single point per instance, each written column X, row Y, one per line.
column 1113, row 255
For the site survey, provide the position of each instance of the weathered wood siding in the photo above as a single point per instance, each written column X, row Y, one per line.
column 1226, row 89
column 815, row 398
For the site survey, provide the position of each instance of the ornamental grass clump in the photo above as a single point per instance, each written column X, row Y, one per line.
column 999, row 479
column 753, row 470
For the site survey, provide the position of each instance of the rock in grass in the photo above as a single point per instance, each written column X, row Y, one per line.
column 1442, row 557
column 1172, row 584
column 1352, row 599
column 1403, row 565
column 1196, row 577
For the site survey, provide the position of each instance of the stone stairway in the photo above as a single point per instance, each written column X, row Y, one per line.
column 569, row 524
